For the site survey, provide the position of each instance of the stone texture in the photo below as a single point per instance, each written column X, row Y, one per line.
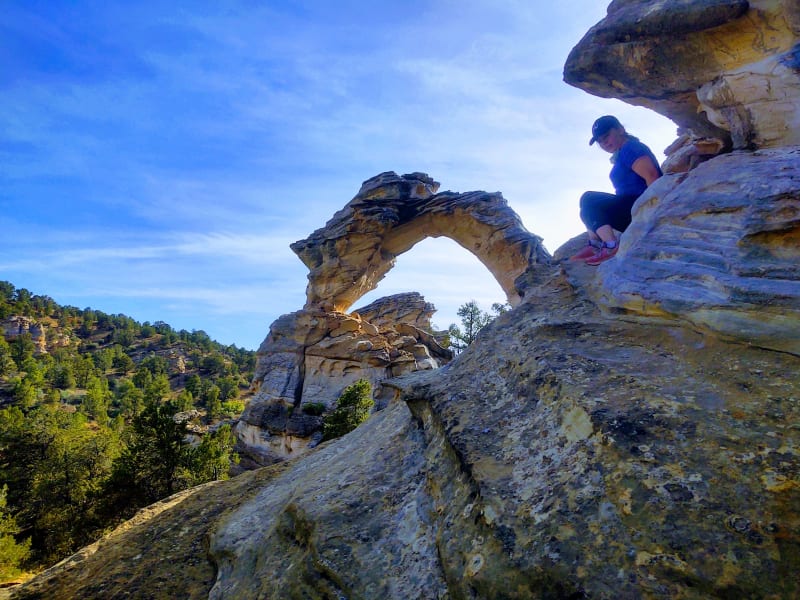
column 390, row 214
column 565, row 454
column 722, row 68
column 312, row 355
column 718, row 248
column 16, row 326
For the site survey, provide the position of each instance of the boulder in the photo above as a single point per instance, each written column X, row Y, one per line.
column 726, row 69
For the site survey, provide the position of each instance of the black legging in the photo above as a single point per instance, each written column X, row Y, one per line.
column 600, row 208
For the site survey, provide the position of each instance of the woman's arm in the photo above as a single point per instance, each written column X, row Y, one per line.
column 644, row 168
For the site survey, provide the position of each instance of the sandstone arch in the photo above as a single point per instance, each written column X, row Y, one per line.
column 389, row 215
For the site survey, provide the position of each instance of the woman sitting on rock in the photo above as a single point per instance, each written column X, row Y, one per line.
column 635, row 168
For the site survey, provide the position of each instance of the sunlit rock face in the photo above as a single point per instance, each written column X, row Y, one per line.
column 718, row 248
column 726, row 69
column 311, row 356
column 390, row 214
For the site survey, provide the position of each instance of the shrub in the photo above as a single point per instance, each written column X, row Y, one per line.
column 352, row 408
column 232, row 408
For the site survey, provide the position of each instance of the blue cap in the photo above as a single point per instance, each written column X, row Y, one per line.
column 602, row 126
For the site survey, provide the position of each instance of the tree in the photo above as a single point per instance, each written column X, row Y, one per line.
column 353, row 407
column 12, row 552
column 473, row 319
column 7, row 364
column 157, row 389
column 214, row 456
column 95, row 402
column 228, row 388
column 22, row 347
column 156, row 461
column 213, row 403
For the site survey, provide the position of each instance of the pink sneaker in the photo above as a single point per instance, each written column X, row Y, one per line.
column 587, row 252
column 602, row 255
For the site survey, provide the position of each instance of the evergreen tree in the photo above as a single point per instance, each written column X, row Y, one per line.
column 214, row 456
column 156, row 460
column 473, row 319
column 12, row 552
column 353, row 407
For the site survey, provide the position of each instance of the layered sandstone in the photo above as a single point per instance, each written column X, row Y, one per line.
column 721, row 68
column 718, row 249
column 389, row 215
column 16, row 326
column 312, row 355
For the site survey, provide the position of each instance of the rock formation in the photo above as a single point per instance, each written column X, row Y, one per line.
column 310, row 356
column 720, row 68
column 389, row 215
column 629, row 431
column 16, row 326
column 717, row 248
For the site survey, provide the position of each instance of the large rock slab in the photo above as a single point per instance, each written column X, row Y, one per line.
column 721, row 68
column 565, row 454
column 718, row 248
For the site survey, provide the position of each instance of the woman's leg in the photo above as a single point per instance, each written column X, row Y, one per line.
column 596, row 209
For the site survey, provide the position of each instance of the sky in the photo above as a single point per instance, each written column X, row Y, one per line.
column 157, row 159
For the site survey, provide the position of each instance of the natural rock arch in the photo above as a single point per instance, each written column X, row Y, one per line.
column 389, row 215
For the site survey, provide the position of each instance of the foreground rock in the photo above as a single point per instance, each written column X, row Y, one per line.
column 564, row 454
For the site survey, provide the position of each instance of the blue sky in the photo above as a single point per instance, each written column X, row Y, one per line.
column 158, row 158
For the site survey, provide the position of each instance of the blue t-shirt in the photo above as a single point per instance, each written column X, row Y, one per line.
column 626, row 181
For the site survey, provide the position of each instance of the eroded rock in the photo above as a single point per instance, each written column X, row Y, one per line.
column 390, row 214
column 726, row 69
column 312, row 355
column 718, row 248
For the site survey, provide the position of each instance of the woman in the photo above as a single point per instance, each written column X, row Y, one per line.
column 635, row 168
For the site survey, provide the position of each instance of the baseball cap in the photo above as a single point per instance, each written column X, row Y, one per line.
column 602, row 126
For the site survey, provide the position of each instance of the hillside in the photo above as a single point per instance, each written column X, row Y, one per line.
column 76, row 389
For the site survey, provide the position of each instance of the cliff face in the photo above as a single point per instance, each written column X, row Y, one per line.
column 628, row 431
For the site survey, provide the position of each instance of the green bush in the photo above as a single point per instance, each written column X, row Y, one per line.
column 232, row 408
column 352, row 408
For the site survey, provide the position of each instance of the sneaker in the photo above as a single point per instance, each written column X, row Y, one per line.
column 602, row 255
column 587, row 252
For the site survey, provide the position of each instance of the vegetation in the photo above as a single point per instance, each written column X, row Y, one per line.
column 99, row 416
column 353, row 407
column 473, row 319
